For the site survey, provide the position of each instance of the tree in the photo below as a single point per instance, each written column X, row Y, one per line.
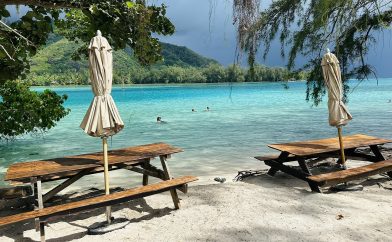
column 214, row 73
column 124, row 23
column 41, row 111
column 234, row 73
column 307, row 28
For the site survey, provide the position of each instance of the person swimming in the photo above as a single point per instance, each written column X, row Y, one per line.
column 193, row 110
column 207, row 109
column 160, row 121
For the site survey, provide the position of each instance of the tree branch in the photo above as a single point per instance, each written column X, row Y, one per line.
column 46, row 3
column 16, row 32
column 6, row 52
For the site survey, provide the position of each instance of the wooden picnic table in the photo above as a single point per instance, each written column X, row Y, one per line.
column 72, row 168
column 305, row 152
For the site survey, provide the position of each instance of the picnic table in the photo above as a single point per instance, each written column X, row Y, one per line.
column 72, row 168
column 307, row 152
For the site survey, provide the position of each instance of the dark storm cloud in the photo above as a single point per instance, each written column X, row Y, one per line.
column 215, row 37
column 205, row 26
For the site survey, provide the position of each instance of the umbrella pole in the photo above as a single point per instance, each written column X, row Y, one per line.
column 342, row 156
column 106, row 175
column 110, row 224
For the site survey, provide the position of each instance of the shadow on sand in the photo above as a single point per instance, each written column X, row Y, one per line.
column 15, row 231
column 261, row 178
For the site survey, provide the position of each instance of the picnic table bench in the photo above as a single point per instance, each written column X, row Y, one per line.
column 72, row 168
column 305, row 151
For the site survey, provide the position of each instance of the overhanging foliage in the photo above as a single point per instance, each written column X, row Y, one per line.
column 124, row 23
column 308, row 27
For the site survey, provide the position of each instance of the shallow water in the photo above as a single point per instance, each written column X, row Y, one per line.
column 244, row 118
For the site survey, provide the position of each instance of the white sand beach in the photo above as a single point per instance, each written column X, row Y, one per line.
column 255, row 100
column 260, row 208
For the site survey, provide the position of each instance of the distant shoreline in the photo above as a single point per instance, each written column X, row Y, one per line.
column 191, row 84
column 170, row 84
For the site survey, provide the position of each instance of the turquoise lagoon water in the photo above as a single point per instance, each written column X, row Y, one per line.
column 244, row 118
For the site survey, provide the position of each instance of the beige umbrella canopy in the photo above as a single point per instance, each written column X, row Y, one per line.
column 338, row 112
column 102, row 118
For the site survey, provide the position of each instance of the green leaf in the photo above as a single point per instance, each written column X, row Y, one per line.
column 130, row 4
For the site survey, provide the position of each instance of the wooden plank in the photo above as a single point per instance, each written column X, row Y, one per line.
column 39, row 225
column 64, row 185
column 39, row 194
column 376, row 151
column 304, row 166
column 15, row 192
column 360, row 156
column 274, row 157
column 157, row 174
column 69, row 174
column 336, row 177
column 294, row 172
column 287, row 169
column 281, row 159
column 267, row 157
column 101, row 201
column 312, row 147
column 24, row 170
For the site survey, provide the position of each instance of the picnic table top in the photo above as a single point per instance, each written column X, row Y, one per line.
column 314, row 147
column 57, row 166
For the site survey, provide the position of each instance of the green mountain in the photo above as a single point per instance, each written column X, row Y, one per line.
column 54, row 65
column 175, row 55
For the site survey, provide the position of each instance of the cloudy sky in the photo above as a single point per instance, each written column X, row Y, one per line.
column 205, row 26
column 215, row 37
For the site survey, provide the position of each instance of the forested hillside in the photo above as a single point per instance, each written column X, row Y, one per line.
column 53, row 65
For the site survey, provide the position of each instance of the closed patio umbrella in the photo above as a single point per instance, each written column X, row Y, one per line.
column 338, row 112
column 102, row 118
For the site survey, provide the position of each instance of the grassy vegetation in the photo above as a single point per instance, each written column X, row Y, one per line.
column 53, row 65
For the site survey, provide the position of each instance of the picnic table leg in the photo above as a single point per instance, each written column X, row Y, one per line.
column 39, row 197
column 173, row 192
column 304, row 166
column 33, row 181
column 282, row 157
column 39, row 204
column 306, row 169
column 314, row 187
column 376, row 151
column 145, row 178
column 294, row 172
column 42, row 231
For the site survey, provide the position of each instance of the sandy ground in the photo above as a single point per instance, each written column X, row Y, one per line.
column 259, row 208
